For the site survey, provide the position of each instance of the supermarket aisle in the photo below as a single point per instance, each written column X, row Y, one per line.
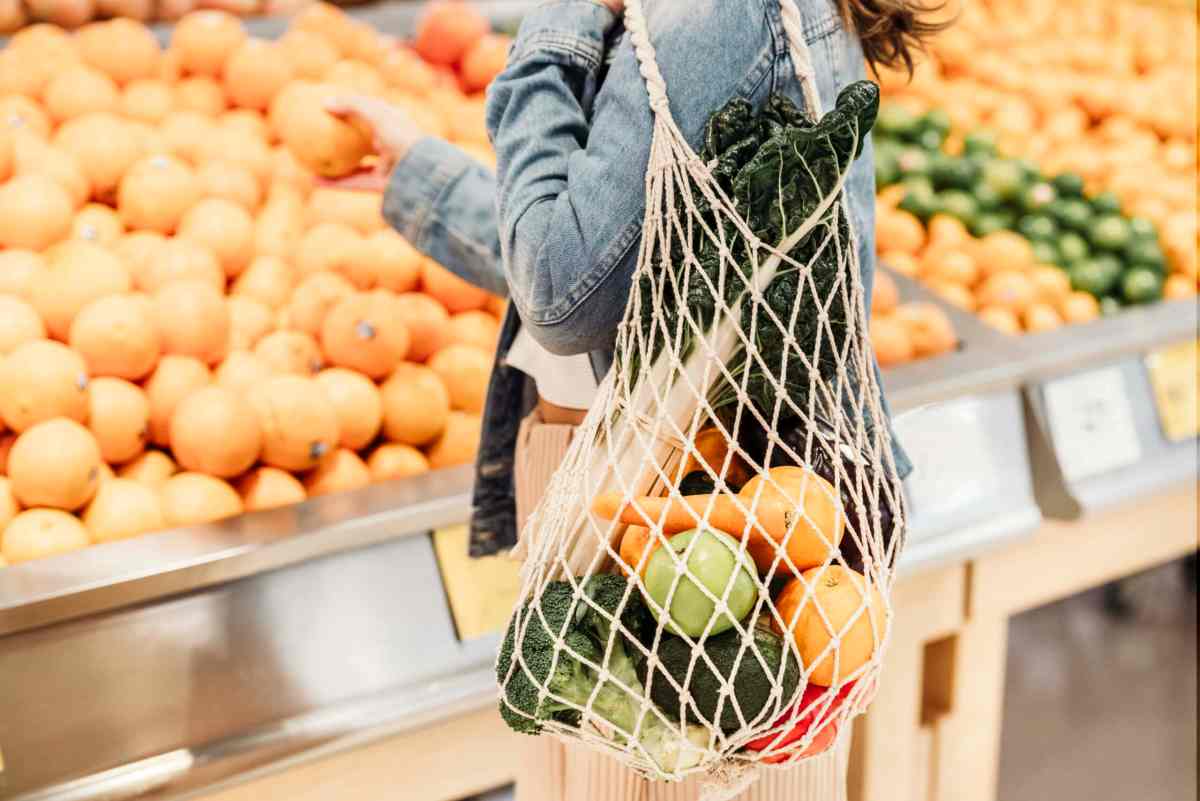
column 1104, row 708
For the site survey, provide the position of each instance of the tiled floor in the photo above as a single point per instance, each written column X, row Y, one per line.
column 1099, row 707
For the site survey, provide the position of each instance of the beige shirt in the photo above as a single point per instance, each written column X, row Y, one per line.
column 566, row 381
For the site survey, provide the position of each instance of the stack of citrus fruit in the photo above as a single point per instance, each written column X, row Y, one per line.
column 189, row 328
column 1103, row 92
column 906, row 332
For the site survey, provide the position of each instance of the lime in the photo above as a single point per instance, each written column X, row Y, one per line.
column 1038, row 197
column 1071, row 214
column 1030, row 169
column 985, row 196
column 951, row 172
column 1068, row 185
column 1095, row 276
column 1037, row 227
column 1146, row 253
column 921, row 203
column 887, row 168
column 1141, row 285
column 930, row 139
column 960, row 204
column 1109, row 306
column 980, row 142
column 1044, row 252
column 1110, row 232
column 1143, row 228
column 1106, row 203
column 1073, row 247
column 913, row 161
column 937, row 120
column 896, row 121
column 990, row 223
column 1003, row 177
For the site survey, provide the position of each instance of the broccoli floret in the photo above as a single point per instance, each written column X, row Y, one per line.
column 586, row 631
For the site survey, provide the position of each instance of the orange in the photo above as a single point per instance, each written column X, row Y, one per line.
column 19, row 113
column 180, row 260
column 98, row 223
column 245, row 122
column 103, row 147
column 55, row 463
column 328, row 146
column 77, row 272
column 200, row 94
column 395, row 264
column 241, row 370
column 898, row 230
column 35, row 157
column 951, row 266
column 269, row 488
column 299, row 423
column 156, row 192
column 78, row 90
column 249, row 322
column 151, row 467
column 186, row 133
column 929, row 328
column 458, row 442
column 337, row 248
column 834, row 636
column 1051, row 284
column 884, row 293
column 173, row 379
column 339, row 471
column 255, row 73
column 354, row 76
column 40, row 380
column 394, row 460
column 227, row 181
column 267, row 280
column 279, row 225
column 6, row 443
column 1178, row 286
column 1007, row 288
column 481, row 330
column 636, row 545
column 904, row 263
column 455, row 294
column 776, row 498
column 1001, row 318
column 286, row 171
column 447, row 30
column 407, row 72
column 308, row 54
column 193, row 320
column 189, row 499
column 116, row 336
column 17, row 268
column 325, row 19
column 225, row 228
column 215, row 431
column 123, row 508
column 484, row 61
column 427, row 322
column 39, row 533
column 947, row 231
column 119, row 418
column 121, row 48
column 292, row 352
column 19, row 323
column 359, row 210
column 205, row 40
column 1039, row 317
column 363, row 332
column 35, row 212
column 1003, row 251
column 315, row 296
column 464, row 370
column 416, row 405
column 9, row 508
column 147, row 99
column 358, row 404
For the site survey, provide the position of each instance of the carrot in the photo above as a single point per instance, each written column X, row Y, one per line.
column 675, row 514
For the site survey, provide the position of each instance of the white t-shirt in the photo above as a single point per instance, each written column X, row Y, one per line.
column 566, row 381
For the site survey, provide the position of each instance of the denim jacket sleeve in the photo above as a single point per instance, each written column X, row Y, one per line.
column 443, row 202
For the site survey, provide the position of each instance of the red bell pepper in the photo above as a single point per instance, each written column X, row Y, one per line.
column 821, row 742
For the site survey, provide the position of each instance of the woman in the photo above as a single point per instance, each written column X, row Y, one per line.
column 557, row 230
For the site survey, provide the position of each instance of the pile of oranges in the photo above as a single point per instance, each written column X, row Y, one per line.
column 906, row 332
column 1103, row 90
column 189, row 327
column 996, row 276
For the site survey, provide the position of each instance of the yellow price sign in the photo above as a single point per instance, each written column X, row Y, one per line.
column 1174, row 373
column 481, row 591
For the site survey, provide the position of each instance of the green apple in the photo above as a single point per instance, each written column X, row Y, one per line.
column 714, row 562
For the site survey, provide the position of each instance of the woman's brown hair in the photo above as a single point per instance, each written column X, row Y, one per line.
column 891, row 30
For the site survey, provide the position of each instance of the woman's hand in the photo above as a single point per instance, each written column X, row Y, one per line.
column 393, row 133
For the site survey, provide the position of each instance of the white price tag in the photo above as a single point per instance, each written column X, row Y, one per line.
column 1091, row 423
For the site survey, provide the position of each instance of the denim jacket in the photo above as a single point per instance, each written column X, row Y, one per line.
column 557, row 228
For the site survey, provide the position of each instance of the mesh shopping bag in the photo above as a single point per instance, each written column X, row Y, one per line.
column 707, row 578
